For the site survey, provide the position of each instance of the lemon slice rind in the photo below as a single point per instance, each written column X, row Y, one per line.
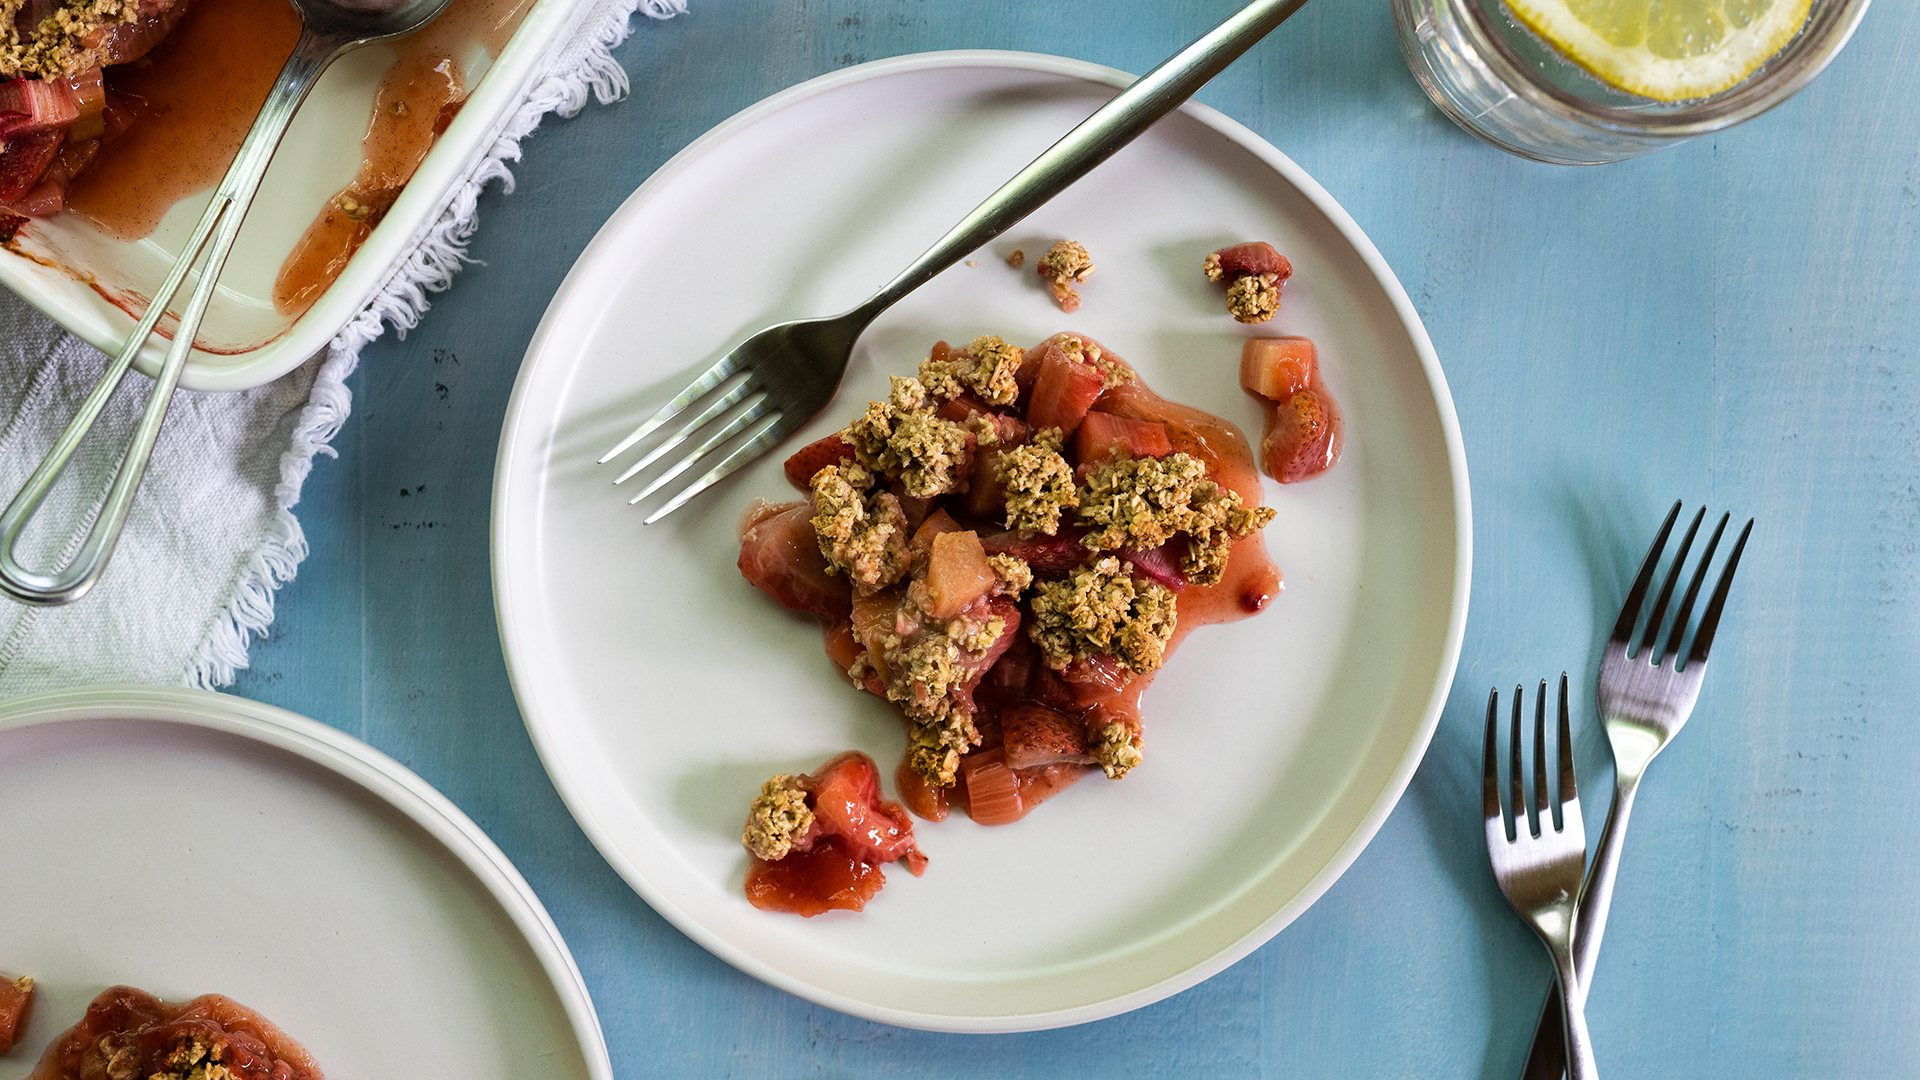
column 1638, row 71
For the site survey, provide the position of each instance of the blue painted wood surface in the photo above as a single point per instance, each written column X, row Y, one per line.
column 1730, row 322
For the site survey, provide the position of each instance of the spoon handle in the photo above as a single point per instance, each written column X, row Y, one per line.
column 221, row 222
column 1096, row 139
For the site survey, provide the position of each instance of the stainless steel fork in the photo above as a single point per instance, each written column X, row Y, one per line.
column 1645, row 697
column 1538, row 860
column 770, row 385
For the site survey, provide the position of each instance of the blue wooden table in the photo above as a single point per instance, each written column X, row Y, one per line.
column 1732, row 322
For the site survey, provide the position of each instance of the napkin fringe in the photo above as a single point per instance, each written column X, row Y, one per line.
column 586, row 68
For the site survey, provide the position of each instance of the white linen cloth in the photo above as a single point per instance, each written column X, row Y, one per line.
column 212, row 533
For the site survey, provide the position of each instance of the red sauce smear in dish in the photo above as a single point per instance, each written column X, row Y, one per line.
column 130, row 1033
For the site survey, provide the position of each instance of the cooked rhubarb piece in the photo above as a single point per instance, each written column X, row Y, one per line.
column 128, row 1034
column 818, row 840
column 1277, row 368
column 957, row 574
column 1103, row 435
column 1064, row 388
column 16, row 1004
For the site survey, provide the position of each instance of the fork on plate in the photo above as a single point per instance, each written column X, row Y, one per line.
column 771, row 384
column 1538, row 857
column 1646, row 694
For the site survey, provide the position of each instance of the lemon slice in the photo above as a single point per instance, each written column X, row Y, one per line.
column 1669, row 50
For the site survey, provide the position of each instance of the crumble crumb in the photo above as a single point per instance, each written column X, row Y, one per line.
column 863, row 536
column 1019, row 256
column 1118, row 750
column 973, row 262
column 1039, row 483
column 1211, row 267
column 779, row 813
column 1101, row 609
column 1014, row 574
column 1144, row 502
column 1078, row 349
column 987, row 369
column 1066, row 264
column 902, row 439
column 1254, row 298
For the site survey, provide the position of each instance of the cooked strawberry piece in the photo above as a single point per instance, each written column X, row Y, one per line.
column 780, row 556
column 1277, row 368
column 1063, row 391
column 957, row 574
column 16, row 1004
column 1103, row 435
column 815, row 456
column 25, row 160
column 1258, row 257
column 31, row 105
column 824, row 878
column 1049, row 556
column 1032, row 734
column 1303, row 437
column 140, row 1034
column 846, row 801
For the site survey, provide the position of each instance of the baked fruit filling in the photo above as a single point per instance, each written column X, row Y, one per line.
column 1008, row 549
column 818, row 840
column 129, row 1034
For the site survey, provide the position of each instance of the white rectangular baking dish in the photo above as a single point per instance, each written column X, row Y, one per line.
column 65, row 268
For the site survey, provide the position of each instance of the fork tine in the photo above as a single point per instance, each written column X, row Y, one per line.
column 1630, row 611
column 756, row 408
column 1674, row 570
column 720, row 405
column 767, row 438
column 1693, row 592
column 720, row 372
column 1569, row 790
column 1490, row 764
column 1516, row 775
column 1540, row 808
column 1709, row 622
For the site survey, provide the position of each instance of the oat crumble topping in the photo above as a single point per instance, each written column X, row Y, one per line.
column 1066, row 264
column 862, row 535
column 1082, row 351
column 1014, row 574
column 56, row 48
column 1254, row 298
column 902, row 439
column 1039, row 483
column 1144, row 502
column 1019, row 256
column 1102, row 609
column 1211, row 266
column 779, row 813
column 1118, row 750
column 987, row 369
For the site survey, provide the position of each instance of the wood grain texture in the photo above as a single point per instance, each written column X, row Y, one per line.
column 1731, row 322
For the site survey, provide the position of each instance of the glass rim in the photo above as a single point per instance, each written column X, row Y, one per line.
column 1829, row 25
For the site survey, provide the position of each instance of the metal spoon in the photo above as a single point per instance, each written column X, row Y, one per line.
column 329, row 29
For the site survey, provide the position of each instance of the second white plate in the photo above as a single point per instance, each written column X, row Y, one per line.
column 661, row 689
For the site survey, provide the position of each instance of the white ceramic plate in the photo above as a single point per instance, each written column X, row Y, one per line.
column 56, row 265
column 661, row 689
column 188, row 843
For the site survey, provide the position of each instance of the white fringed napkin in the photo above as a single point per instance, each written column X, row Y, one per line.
column 212, row 533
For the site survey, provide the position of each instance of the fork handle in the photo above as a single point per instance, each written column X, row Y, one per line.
column 1579, row 1049
column 1096, row 139
column 1547, row 1058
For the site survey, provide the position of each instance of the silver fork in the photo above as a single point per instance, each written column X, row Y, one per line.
column 1538, row 866
column 1645, row 697
column 771, row 384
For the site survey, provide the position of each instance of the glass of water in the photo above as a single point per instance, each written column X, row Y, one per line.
column 1500, row 81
